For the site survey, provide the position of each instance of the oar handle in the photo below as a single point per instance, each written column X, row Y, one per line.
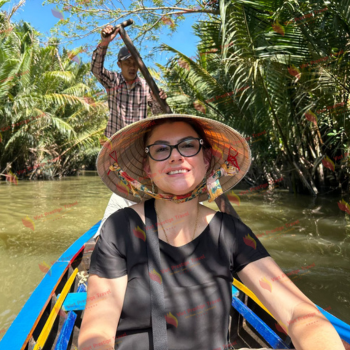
column 151, row 83
column 124, row 24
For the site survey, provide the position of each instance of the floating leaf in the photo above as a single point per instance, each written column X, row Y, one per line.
column 57, row 14
column 311, row 117
column 233, row 197
column 155, row 276
column 27, row 222
column 264, row 283
column 294, row 71
column 249, row 241
column 171, row 319
column 328, row 163
column 199, row 106
column 139, row 233
column 278, row 28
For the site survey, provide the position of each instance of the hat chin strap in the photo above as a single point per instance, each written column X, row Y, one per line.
column 200, row 189
column 211, row 185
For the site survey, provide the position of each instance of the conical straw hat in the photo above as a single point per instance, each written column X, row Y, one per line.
column 128, row 149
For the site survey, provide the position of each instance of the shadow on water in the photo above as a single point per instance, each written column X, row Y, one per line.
column 308, row 237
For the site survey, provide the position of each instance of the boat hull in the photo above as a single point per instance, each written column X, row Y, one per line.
column 250, row 325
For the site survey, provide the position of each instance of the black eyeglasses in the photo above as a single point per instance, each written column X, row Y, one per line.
column 187, row 148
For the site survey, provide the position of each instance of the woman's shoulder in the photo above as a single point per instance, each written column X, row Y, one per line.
column 207, row 211
column 118, row 227
column 234, row 225
column 139, row 208
column 120, row 219
column 229, row 217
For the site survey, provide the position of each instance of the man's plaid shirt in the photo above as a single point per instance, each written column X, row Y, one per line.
column 126, row 106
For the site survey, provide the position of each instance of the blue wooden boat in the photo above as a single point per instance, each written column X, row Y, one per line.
column 52, row 316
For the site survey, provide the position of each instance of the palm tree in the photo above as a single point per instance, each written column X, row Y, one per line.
column 260, row 67
column 47, row 109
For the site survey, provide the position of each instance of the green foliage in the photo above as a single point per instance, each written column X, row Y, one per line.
column 279, row 67
column 273, row 66
column 152, row 18
column 47, row 109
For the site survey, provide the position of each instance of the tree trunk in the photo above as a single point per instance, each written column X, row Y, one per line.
column 311, row 189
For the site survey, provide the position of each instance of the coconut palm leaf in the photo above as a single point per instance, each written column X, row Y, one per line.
column 275, row 59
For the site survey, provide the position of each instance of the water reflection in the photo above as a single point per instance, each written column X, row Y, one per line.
column 40, row 220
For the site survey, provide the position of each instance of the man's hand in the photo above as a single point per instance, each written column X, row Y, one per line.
column 108, row 29
column 162, row 95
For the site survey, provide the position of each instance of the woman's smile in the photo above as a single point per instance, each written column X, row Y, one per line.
column 180, row 174
column 177, row 172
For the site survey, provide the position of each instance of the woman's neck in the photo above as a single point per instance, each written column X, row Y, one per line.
column 178, row 220
column 169, row 209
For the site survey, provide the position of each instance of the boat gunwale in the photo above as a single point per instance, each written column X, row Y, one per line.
column 23, row 326
column 20, row 330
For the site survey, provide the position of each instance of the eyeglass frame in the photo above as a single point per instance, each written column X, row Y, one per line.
column 201, row 143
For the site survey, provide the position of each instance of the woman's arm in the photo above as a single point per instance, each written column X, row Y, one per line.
column 295, row 312
column 105, row 298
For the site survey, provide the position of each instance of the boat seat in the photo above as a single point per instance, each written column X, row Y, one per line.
column 68, row 326
column 75, row 302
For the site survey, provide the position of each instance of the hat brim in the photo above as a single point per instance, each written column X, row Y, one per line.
column 124, row 57
column 127, row 148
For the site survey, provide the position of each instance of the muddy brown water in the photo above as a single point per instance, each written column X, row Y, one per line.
column 308, row 237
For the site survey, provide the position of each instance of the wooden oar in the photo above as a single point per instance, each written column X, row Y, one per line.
column 126, row 23
column 222, row 201
column 148, row 77
column 50, row 321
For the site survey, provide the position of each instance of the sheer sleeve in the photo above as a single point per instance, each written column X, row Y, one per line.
column 241, row 244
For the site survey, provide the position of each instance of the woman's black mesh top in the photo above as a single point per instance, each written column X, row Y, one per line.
column 196, row 277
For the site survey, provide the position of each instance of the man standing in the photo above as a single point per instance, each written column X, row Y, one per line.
column 128, row 97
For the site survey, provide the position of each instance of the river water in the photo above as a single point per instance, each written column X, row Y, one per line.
column 314, row 239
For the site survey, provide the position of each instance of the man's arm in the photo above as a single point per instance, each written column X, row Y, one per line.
column 104, row 76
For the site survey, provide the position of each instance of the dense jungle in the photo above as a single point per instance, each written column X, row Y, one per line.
column 276, row 71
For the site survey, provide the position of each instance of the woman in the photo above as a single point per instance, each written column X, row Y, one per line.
column 187, row 159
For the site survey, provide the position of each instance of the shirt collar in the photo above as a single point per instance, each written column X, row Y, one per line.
column 136, row 81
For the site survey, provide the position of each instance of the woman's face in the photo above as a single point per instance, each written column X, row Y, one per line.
column 160, row 171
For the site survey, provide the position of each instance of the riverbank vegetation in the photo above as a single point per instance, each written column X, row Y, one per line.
column 280, row 67
column 275, row 71
column 49, row 123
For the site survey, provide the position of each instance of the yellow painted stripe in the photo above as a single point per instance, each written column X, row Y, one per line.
column 50, row 321
column 250, row 294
